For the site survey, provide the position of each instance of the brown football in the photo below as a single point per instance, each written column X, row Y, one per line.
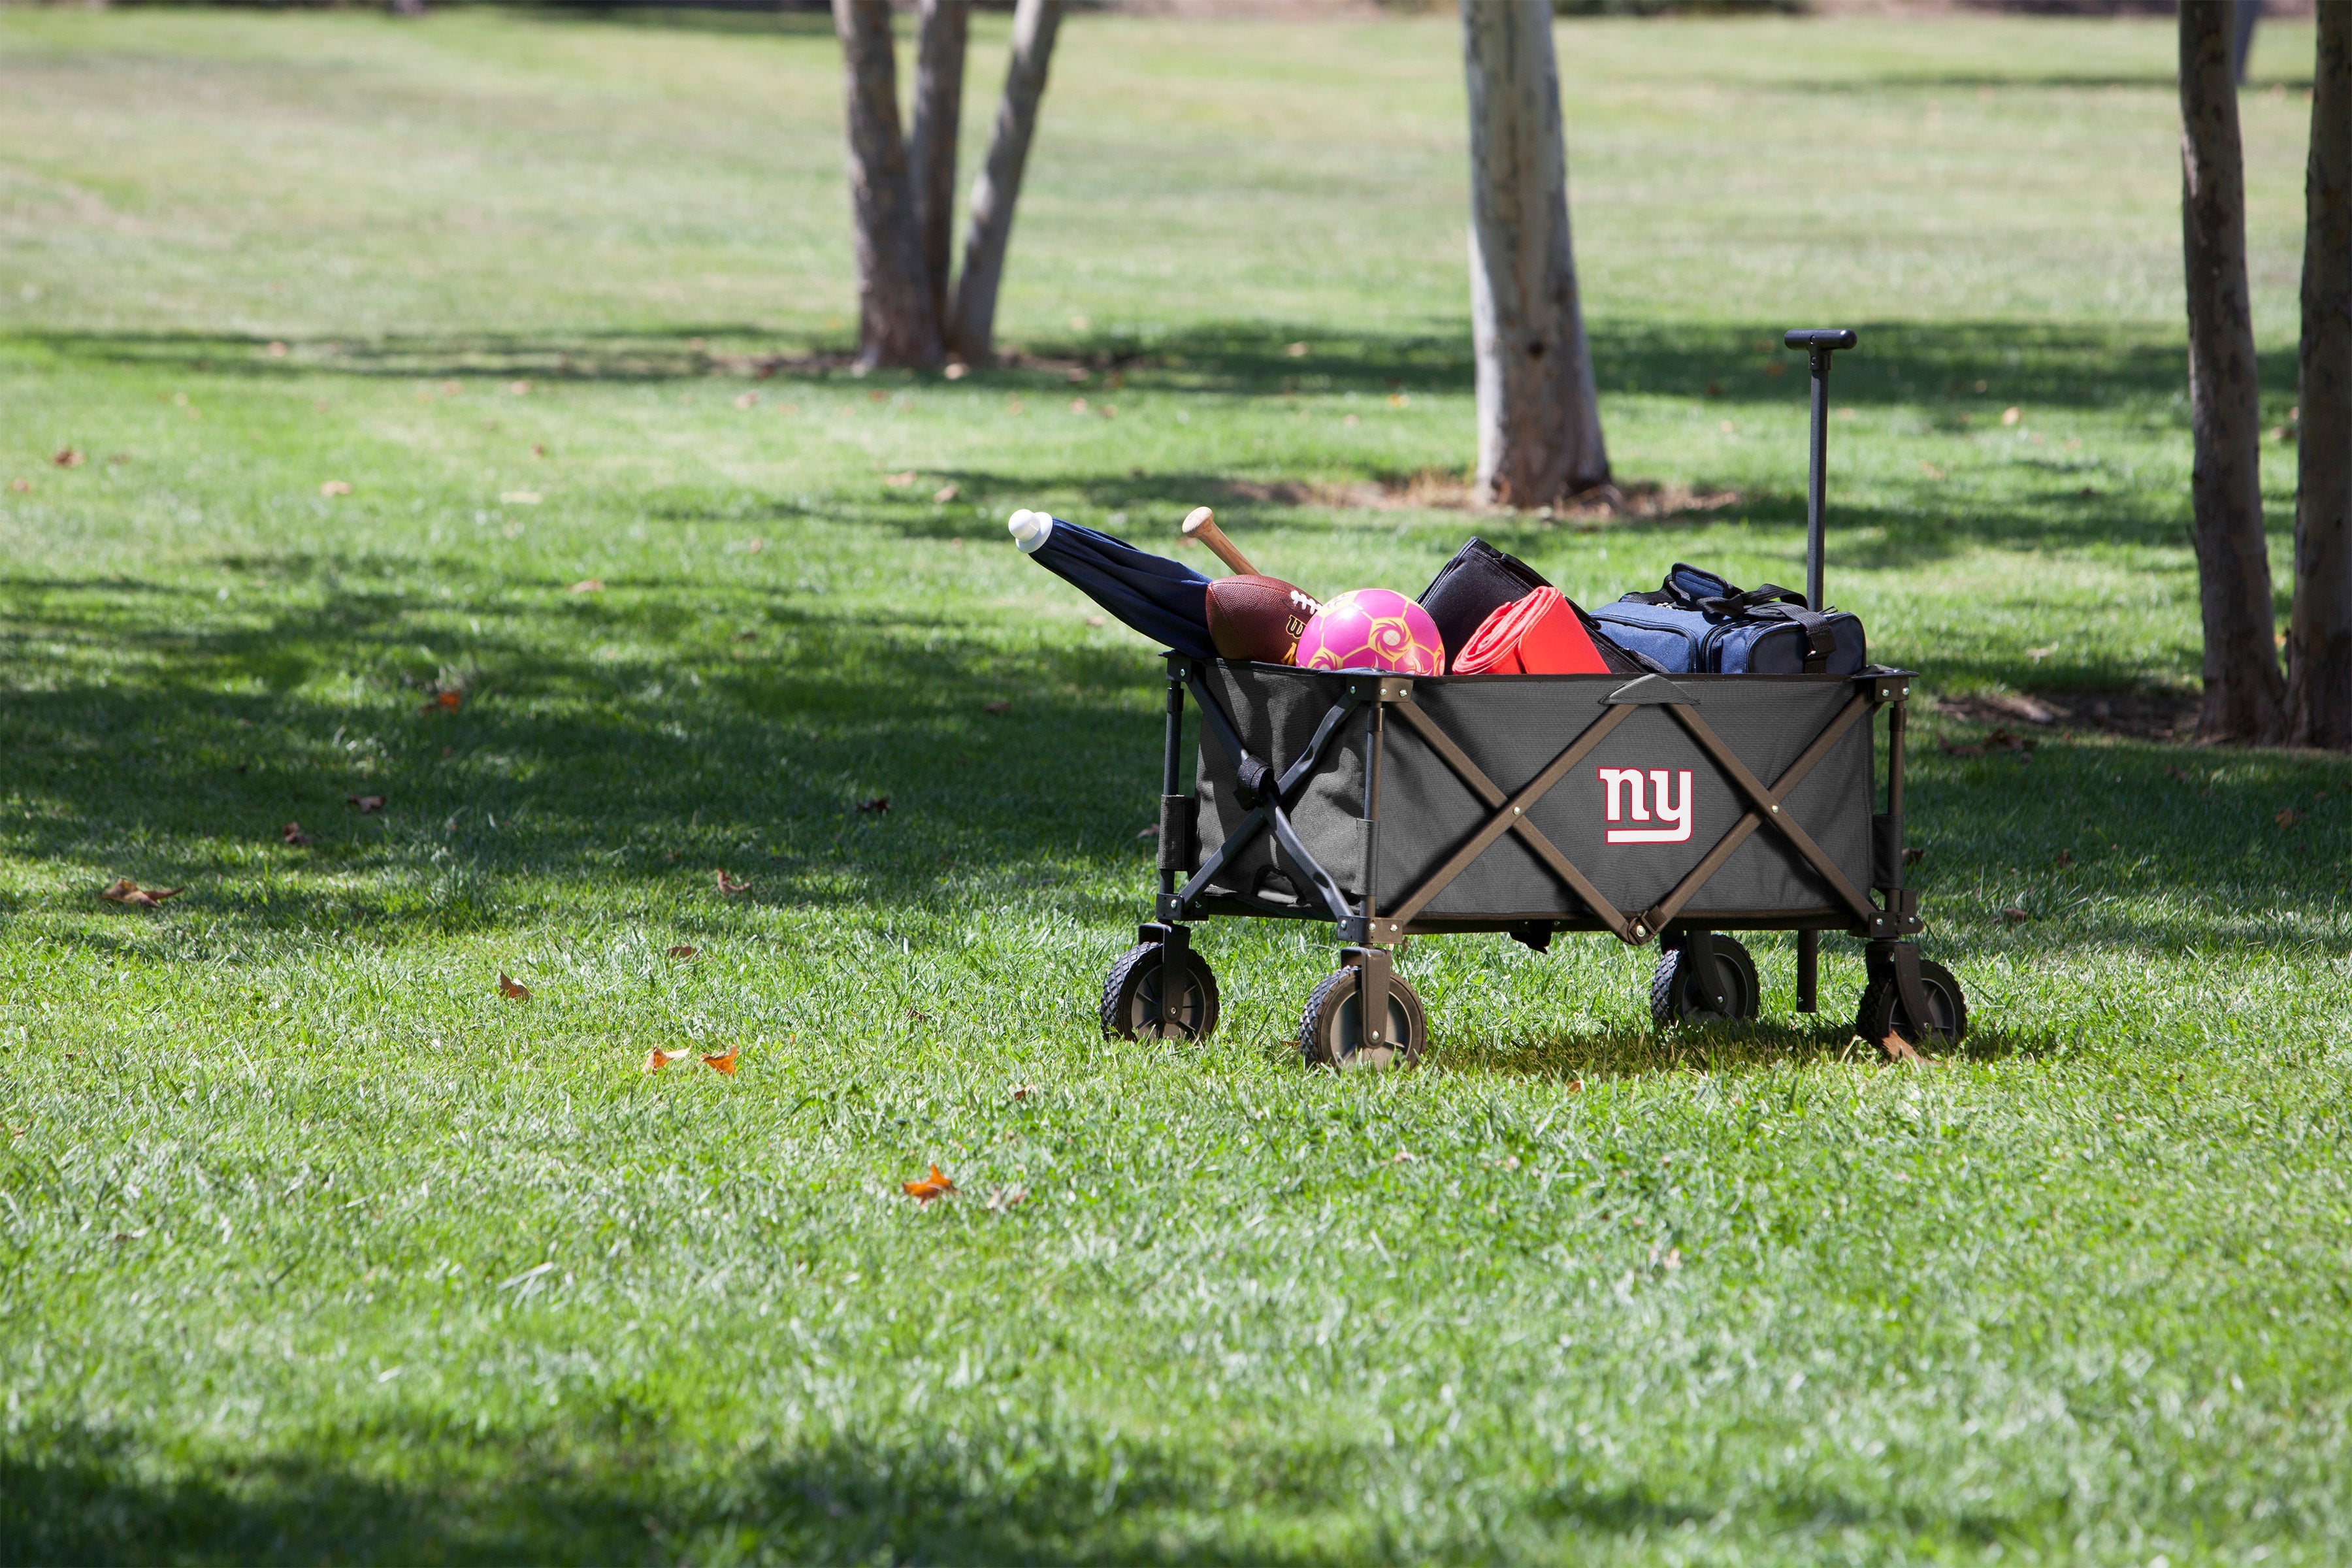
column 1257, row 619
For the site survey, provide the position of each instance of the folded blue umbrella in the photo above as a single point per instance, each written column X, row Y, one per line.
column 1165, row 600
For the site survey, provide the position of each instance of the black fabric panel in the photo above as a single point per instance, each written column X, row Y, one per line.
column 1513, row 726
column 1276, row 709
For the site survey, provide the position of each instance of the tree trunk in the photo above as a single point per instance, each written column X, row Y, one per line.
column 931, row 156
column 2319, row 631
column 897, row 323
column 972, row 325
column 1539, row 420
column 2245, row 698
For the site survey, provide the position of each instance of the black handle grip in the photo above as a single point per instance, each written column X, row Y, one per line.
column 1820, row 338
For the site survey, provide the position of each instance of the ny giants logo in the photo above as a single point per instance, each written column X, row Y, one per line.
column 1621, row 782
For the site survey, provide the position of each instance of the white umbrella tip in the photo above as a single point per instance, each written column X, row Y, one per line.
column 1029, row 528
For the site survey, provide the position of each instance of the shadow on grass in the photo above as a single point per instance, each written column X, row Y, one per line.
column 639, row 746
column 1046, row 1497
column 642, row 740
column 1898, row 364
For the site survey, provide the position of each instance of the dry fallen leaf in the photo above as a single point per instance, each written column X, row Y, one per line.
column 2011, row 414
column 510, row 987
column 1897, row 1048
column 277, row 351
column 730, row 886
column 1004, row 1198
column 682, row 951
column 1078, row 406
column 925, row 1189
column 123, row 890
column 445, row 701
column 2065, row 858
column 587, row 585
column 335, row 488
column 292, row 834
column 747, row 400
column 945, row 494
column 2014, row 916
column 756, row 546
column 1296, row 351
column 899, row 482
column 957, row 371
column 1002, row 705
column 366, row 802
column 2287, row 817
column 22, row 487
column 69, row 458
column 518, row 389
column 1932, row 471
column 1148, row 832
column 1913, row 855
column 1097, row 620
column 1405, row 1157
column 658, row 1058
column 726, row 1063
column 877, row 804
column 1021, row 1090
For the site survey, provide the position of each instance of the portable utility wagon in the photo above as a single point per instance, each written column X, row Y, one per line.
column 1658, row 808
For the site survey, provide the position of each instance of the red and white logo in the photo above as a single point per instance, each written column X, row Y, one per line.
column 1625, row 788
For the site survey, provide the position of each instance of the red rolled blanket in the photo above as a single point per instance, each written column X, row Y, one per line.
column 1540, row 635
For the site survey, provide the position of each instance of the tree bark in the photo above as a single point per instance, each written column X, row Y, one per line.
column 2246, row 696
column 1538, row 418
column 2320, row 630
column 931, row 154
column 897, row 322
column 973, row 324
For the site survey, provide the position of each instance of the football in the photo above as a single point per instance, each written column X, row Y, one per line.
column 1257, row 619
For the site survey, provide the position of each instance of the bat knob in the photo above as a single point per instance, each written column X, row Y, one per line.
column 1200, row 516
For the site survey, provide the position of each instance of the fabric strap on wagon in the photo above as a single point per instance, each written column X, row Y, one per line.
column 1508, row 812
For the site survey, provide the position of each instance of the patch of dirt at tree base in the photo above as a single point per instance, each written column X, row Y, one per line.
column 2141, row 712
column 1445, row 490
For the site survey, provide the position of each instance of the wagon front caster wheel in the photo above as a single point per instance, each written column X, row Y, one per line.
column 1131, row 1004
column 1675, row 996
column 1331, row 1032
column 1882, row 1013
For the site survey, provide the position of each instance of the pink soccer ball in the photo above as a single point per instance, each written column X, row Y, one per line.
column 1371, row 628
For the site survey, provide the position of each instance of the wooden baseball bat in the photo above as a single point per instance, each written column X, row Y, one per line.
column 1203, row 525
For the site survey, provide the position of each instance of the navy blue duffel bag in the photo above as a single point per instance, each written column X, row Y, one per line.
column 1697, row 624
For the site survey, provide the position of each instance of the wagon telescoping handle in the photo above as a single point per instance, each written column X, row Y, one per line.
column 1818, row 344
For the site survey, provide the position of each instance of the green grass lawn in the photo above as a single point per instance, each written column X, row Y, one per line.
column 313, row 1247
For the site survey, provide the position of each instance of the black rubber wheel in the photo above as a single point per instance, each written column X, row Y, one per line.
column 1675, row 999
column 1131, row 996
column 1880, row 1012
column 1331, row 1031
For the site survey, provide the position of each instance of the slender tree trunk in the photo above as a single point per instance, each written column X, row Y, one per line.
column 897, row 323
column 2319, row 631
column 2245, row 698
column 973, row 324
column 931, row 154
column 1538, row 419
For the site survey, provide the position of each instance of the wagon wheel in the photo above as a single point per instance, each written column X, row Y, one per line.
column 1675, row 996
column 1132, row 1008
column 1331, row 1031
column 1882, row 1013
